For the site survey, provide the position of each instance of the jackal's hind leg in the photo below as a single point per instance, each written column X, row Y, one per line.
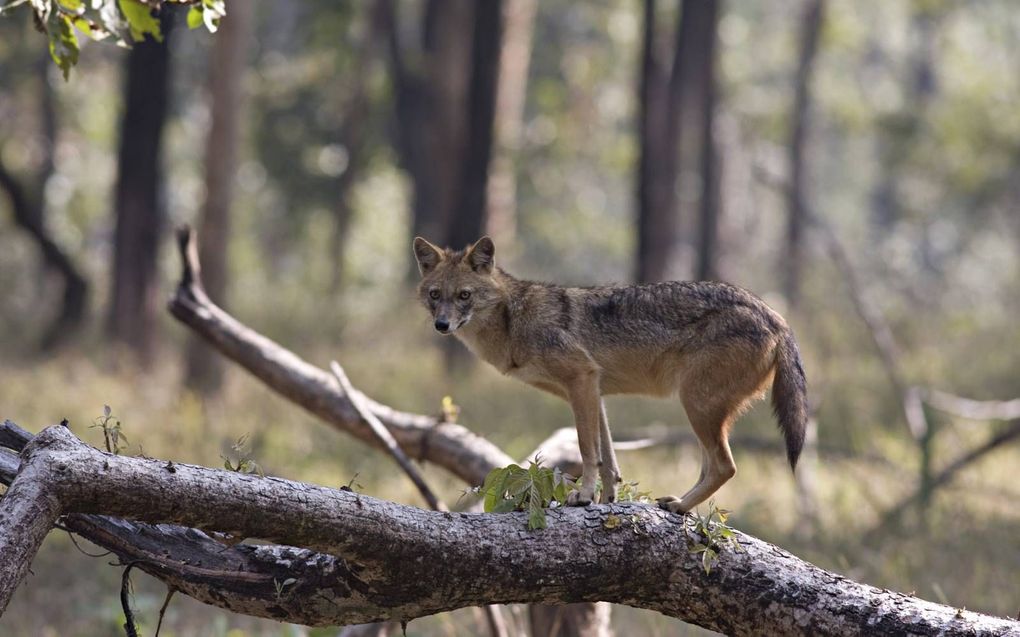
column 717, row 465
column 609, row 470
column 664, row 501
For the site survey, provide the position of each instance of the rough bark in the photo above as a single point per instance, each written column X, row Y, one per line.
column 27, row 513
column 447, row 445
column 204, row 369
column 797, row 216
column 398, row 562
column 137, row 198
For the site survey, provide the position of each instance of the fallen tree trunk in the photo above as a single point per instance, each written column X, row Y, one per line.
column 393, row 562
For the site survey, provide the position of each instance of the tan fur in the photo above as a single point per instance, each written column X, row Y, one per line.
column 715, row 346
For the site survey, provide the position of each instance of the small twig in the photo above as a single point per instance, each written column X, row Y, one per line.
column 385, row 437
column 78, row 546
column 162, row 609
column 191, row 268
column 125, row 600
column 972, row 409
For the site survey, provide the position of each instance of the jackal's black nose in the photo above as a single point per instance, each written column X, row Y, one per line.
column 442, row 325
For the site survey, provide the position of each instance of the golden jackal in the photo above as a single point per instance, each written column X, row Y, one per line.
column 716, row 346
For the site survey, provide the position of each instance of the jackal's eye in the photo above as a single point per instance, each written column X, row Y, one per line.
column 433, row 294
column 464, row 295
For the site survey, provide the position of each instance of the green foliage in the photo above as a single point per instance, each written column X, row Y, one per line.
column 280, row 586
column 63, row 42
column 244, row 462
column 514, row 488
column 122, row 22
column 715, row 534
column 115, row 439
column 628, row 492
column 140, row 20
column 450, row 410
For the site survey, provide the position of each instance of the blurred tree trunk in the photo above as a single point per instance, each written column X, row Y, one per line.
column 431, row 101
column 656, row 218
column 793, row 257
column 705, row 17
column 137, row 198
column 660, row 123
column 28, row 207
column 204, row 369
column 511, row 93
column 445, row 111
column 468, row 221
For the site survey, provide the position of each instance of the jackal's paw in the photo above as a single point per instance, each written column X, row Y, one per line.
column 578, row 499
column 671, row 503
column 610, row 479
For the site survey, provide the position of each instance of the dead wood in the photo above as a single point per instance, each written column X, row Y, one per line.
column 383, row 561
column 451, row 446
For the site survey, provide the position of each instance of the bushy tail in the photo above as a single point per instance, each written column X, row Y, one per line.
column 789, row 396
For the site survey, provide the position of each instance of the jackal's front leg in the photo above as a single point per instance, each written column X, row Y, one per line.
column 583, row 394
column 609, row 470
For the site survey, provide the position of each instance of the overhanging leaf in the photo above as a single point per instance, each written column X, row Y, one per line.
column 140, row 20
column 195, row 17
column 63, row 43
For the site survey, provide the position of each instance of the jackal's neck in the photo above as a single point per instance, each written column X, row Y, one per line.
column 495, row 324
column 513, row 288
column 488, row 335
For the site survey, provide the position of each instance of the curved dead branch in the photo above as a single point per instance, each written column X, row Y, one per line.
column 451, row 446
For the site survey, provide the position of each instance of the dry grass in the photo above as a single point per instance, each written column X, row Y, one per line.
column 973, row 522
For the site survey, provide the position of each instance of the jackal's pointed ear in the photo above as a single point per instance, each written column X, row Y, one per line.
column 427, row 255
column 480, row 256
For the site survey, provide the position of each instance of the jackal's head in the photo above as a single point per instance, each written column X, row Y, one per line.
column 457, row 286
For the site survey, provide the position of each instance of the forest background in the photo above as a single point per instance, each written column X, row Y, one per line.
column 856, row 164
